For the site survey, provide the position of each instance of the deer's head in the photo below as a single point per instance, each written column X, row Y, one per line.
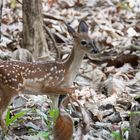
column 82, row 39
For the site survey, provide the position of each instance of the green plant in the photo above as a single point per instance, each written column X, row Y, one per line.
column 50, row 121
column 43, row 134
column 54, row 113
column 116, row 135
column 12, row 119
column 124, row 5
column 49, row 118
column 13, row 3
column 134, row 113
column 119, row 134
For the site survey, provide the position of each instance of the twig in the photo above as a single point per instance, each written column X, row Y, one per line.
column 53, row 40
column 19, row 2
column 48, row 16
column 1, row 6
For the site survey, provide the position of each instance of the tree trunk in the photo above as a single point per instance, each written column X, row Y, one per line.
column 33, row 33
column 134, row 130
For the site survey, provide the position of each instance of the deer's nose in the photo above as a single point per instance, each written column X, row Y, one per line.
column 95, row 50
column 94, row 47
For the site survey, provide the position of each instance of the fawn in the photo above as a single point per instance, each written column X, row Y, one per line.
column 49, row 78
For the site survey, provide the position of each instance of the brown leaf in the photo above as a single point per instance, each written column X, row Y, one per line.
column 51, row 2
column 122, row 59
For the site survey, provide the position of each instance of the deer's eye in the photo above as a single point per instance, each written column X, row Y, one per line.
column 83, row 42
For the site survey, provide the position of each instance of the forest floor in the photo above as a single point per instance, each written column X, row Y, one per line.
column 108, row 82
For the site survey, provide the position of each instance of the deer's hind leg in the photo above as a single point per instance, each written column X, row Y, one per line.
column 6, row 96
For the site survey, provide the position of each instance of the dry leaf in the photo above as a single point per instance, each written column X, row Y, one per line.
column 114, row 86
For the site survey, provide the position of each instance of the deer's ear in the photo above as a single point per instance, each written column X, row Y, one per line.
column 71, row 30
column 83, row 27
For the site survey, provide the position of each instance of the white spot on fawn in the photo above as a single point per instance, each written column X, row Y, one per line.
column 52, row 69
column 5, row 81
column 50, row 78
column 8, row 74
column 1, row 66
column 34, row 71
column 48, row 74
column 29, row 71
column 38, row 79
column 18, row 74
column 59, row 71
column 13, row 79
column 13, row 71
column 4, row 77
column 20, row 85
column 57, row 78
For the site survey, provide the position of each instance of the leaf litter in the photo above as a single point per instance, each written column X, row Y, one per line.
column 108, row 82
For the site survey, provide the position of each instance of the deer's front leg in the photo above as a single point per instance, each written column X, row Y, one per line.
column 55, row 92
column 54, row 103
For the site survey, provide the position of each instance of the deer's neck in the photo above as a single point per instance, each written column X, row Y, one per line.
column 72, row 64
